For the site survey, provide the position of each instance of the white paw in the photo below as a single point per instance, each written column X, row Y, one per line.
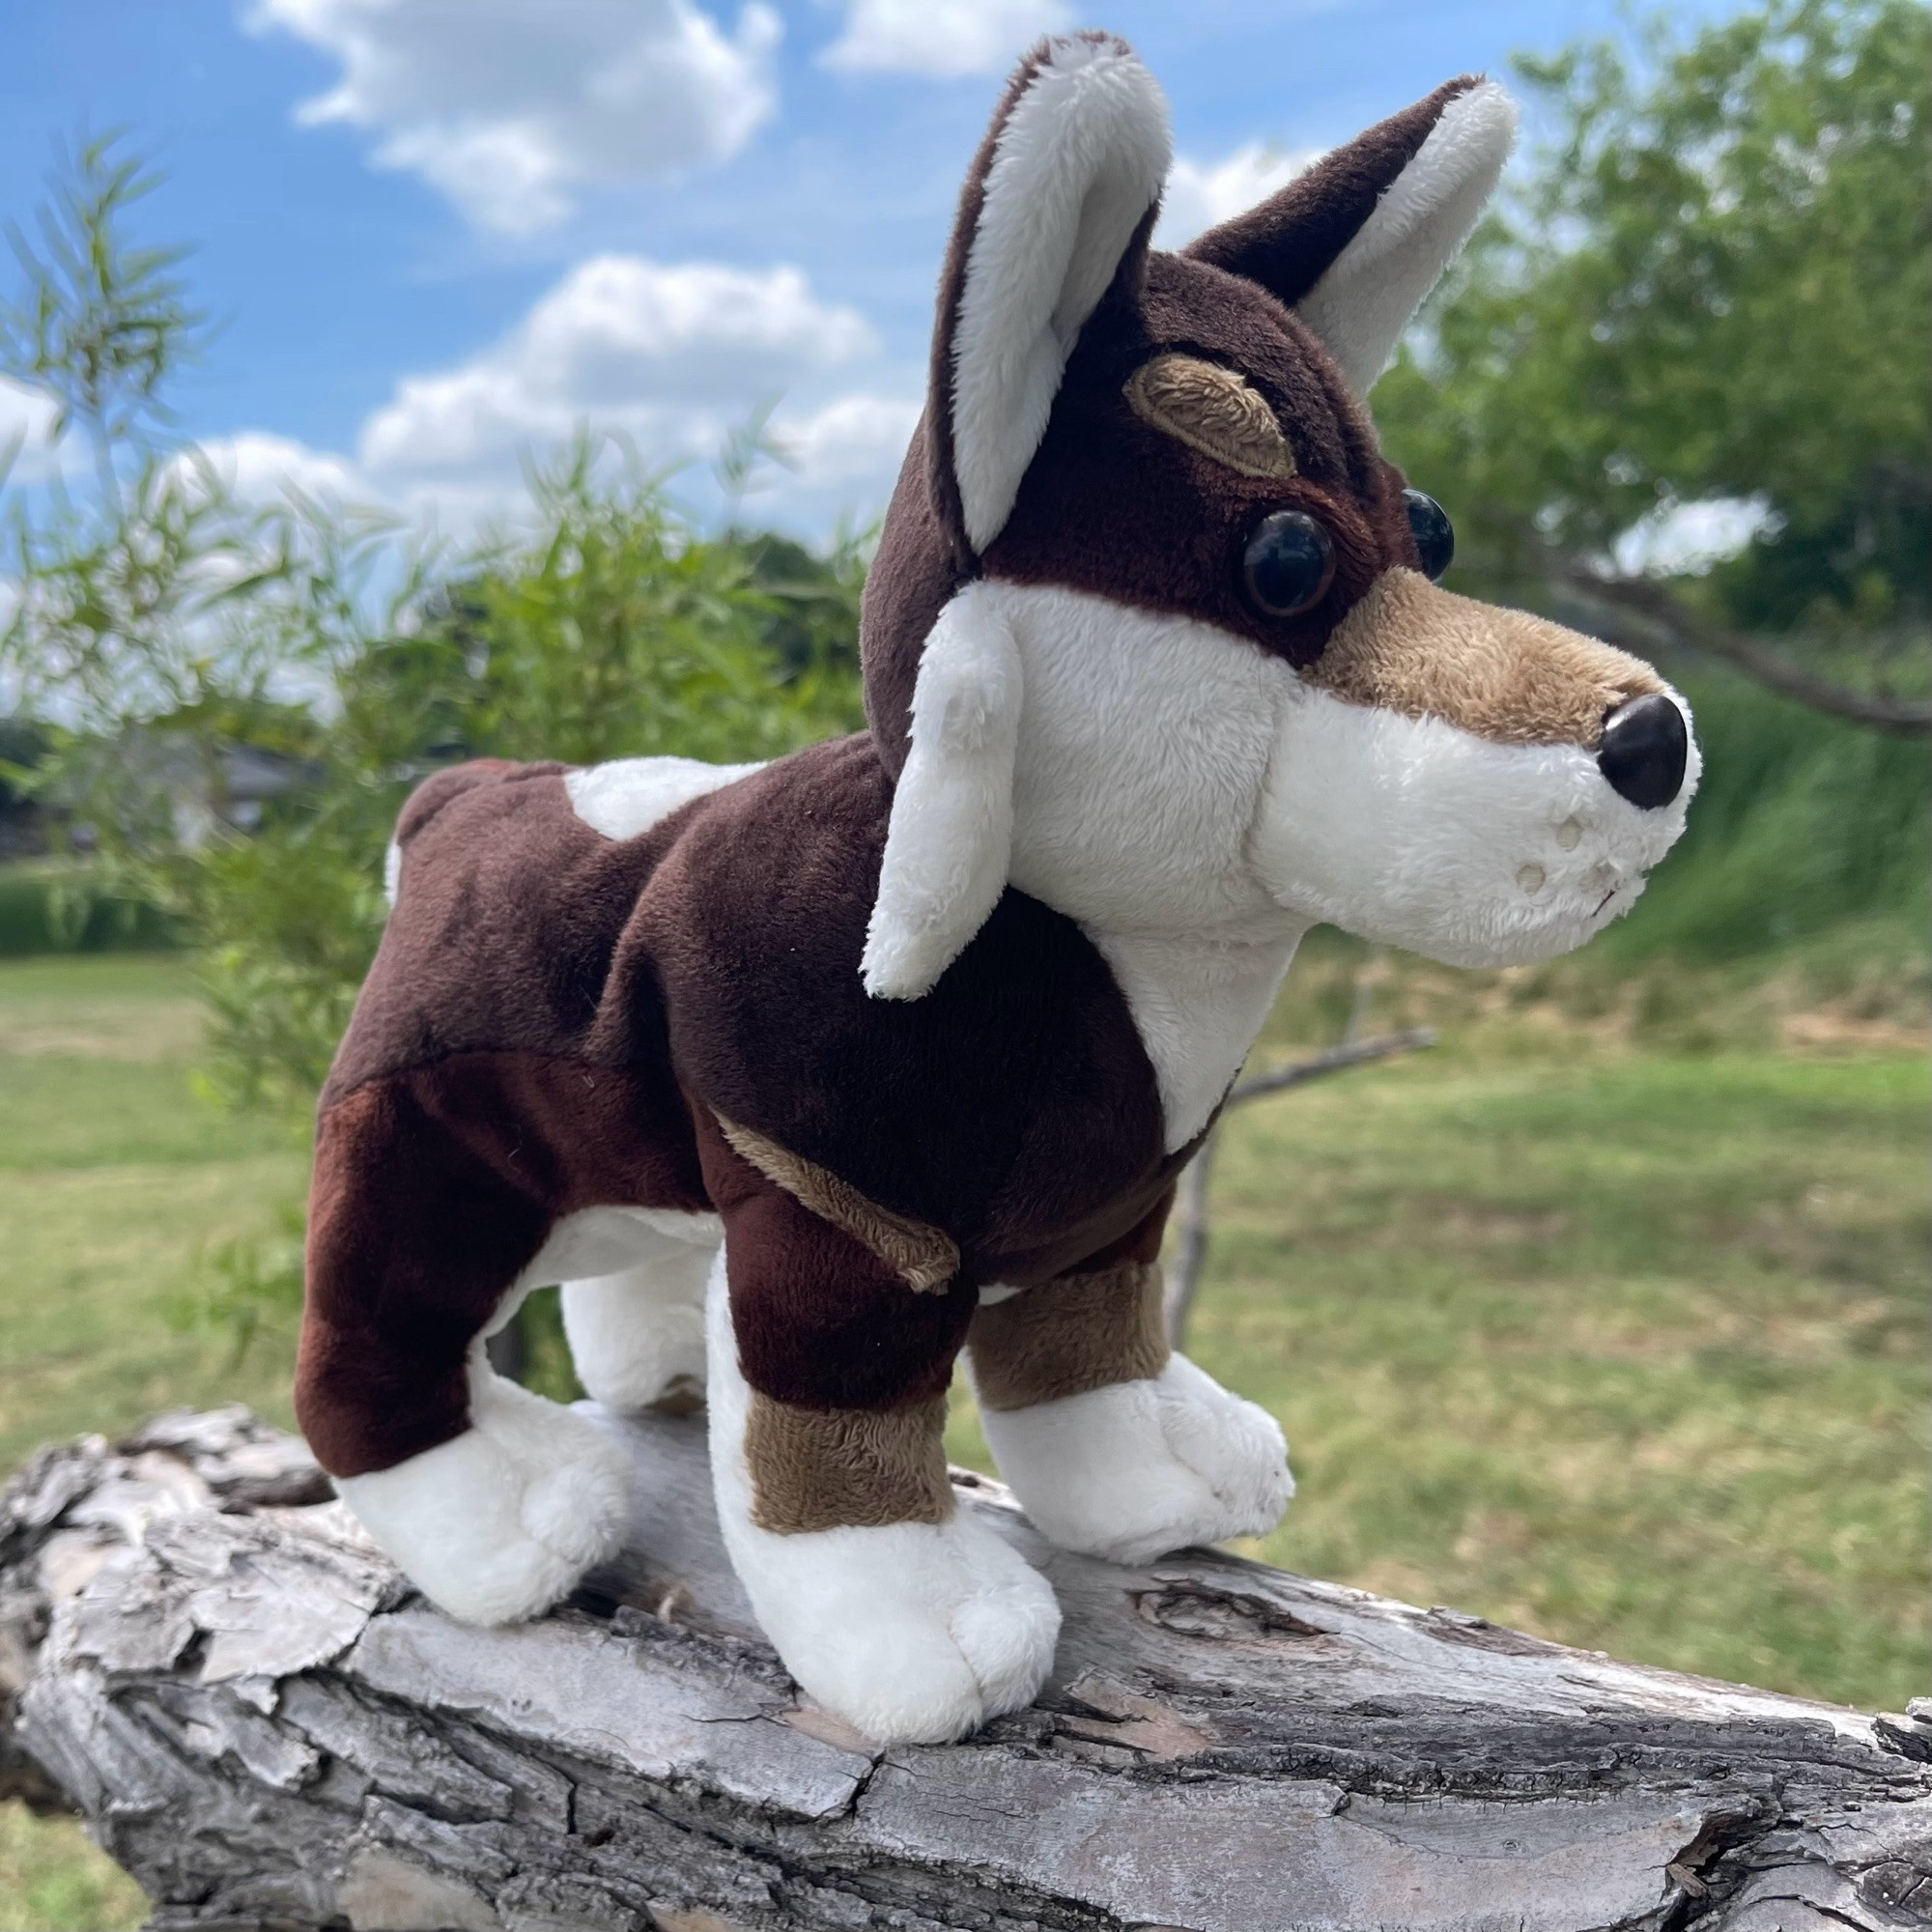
column 914, row 1633
column 1134, row 1471
column 501, row 1522
column 637, row 1337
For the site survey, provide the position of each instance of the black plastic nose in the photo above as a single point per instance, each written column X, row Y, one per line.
column 1643, row 750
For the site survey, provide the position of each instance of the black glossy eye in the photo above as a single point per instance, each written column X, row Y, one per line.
column 1435, row 536
column 1288, row 563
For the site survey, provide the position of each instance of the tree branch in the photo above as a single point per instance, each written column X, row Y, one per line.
column 1190, row 1255
column 1335, row 1059
column 1663, row 612
column 272, row 1733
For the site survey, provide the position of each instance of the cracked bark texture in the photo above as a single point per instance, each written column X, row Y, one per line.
column 201, row 1654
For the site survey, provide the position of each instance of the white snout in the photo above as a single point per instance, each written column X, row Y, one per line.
column 1421, row 834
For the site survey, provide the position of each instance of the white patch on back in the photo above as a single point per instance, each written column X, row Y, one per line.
column 630, row 795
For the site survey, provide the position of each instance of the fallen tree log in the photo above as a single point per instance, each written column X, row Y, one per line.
column 254, row 1715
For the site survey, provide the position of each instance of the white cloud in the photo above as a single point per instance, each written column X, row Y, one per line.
column 670, row 354
column 508, row 107
column 1201, row 193
column 856, row 439
column 941, row 37
column 262, row 468
column 27, row 429
column 1687, row 539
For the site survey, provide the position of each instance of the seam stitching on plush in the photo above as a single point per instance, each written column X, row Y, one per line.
column 926, row 1257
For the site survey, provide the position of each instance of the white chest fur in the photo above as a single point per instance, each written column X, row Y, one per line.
column 1197, row 1006
column 1144, row 748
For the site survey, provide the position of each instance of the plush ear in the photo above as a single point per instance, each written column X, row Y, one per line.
column 950, row 835
column 1060, row 190
column 1355, row 244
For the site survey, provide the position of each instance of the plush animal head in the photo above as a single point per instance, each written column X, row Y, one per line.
column 1153, row 632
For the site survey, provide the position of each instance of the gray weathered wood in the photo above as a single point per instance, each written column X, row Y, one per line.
column 203, row 1656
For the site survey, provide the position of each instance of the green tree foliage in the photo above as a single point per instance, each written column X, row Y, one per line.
column 1714, row 285
column 158, row 628
column 1711, row 283
column 614, row 629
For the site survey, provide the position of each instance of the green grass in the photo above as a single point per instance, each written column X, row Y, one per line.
column 1619, row 1343
column 53, row 1880
column 1625, row 1349
column 117, row 1187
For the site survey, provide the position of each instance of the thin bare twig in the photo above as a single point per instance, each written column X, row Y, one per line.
column 1336, row 1060
column 1190, row 1255
column 1899, row 718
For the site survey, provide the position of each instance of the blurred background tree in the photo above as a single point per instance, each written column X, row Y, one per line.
column 1675, row 391
column 168, row 644
column 1703, row 314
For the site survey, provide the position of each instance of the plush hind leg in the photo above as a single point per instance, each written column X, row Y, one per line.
column 493, row 1501
column 1115, row 1446
column 637, row 1335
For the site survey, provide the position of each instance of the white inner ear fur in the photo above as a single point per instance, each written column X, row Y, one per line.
column 1361, row 306
column 951, row 831
column 1079, row 161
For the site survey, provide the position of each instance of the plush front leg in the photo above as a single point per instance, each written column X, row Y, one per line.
column 499, row 1523
column 910, row 1621
column 1114, row 1446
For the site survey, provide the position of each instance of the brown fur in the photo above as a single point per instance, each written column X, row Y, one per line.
column 926, row 1258
column 1081, row 1332
column 812, row 1469
column 1410, row 647
column 557, row 1020
column 1212, row 410
column 434, row 1187
column 1116, row 506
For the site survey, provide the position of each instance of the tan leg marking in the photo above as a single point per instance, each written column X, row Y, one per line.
column 1079, row 1332
column 846, row 1468
column 1502, row 674
column 926, row 1257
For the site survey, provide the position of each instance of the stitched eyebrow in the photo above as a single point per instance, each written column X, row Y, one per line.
column 1213, row 409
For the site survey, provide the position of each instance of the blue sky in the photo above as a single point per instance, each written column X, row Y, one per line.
column 438, row 232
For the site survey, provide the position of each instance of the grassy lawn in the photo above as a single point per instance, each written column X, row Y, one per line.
column 117, row 1186
column 1621, row 1345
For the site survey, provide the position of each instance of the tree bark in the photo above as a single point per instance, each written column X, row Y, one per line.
column 268, row 1729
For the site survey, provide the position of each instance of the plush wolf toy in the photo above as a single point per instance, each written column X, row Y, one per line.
column 803, row 1077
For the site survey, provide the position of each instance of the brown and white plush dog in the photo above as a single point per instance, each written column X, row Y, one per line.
column 895, row 1047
